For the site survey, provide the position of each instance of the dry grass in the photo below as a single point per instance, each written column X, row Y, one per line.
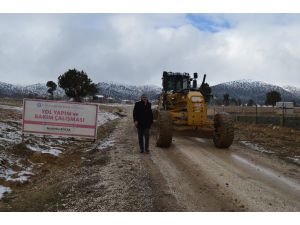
column 51, row 182
column 11, row 101
column 240, row 110
column 285, row 142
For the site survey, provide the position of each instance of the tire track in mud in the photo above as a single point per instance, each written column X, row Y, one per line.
column 193, row 190
column 244, row 175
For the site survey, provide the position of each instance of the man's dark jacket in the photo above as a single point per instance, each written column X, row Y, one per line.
column 143, row 114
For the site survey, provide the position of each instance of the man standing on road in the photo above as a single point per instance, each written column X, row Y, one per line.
column 143, row 118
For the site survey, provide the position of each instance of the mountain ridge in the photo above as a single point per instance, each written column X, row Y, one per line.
column 238, row 89
column 255, row 90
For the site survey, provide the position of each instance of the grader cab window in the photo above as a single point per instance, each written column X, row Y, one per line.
column 175, row 83
column 185, row 83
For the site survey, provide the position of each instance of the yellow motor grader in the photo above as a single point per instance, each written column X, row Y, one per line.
column 182, row 109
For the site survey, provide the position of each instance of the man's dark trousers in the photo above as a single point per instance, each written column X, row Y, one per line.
column 143, row 133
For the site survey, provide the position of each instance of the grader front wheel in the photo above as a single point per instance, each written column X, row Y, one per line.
column 224, row 130
column 164, row 129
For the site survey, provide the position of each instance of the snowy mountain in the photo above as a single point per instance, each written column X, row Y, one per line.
column 240, row 89
column 128, row 92
column 116, row 91
column 293, row 90
column 255, row 90
column 34, row 90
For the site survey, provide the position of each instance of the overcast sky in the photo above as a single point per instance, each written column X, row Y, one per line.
column 136, row 48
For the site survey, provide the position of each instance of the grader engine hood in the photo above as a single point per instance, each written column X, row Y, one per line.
column 196, row 108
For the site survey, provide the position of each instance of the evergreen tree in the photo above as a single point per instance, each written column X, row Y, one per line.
column 77, row 84
column 226, row 99
column 239, row 102
column 233, row 101
column 51, row 87
column 250, row 102
column 272, row 97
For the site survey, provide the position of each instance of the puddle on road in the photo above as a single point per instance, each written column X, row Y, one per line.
column 202, row 140
column 280, row 179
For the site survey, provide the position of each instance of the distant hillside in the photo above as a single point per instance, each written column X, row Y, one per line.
column 116, row 91
column 255, row 90
column 293, row 90
column 34, row 90
column 128, row 92
column 240, row 89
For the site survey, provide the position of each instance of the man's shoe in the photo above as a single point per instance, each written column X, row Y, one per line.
column 141, row 151
column 147, row 151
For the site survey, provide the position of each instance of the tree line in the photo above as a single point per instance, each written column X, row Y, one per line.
column 78, row 85
column 271, row 98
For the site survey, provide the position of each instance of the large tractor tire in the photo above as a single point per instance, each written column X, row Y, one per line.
column 224, row 130
column 164, row 129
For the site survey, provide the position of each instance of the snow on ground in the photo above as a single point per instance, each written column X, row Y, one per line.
column 256, row 147
column 15, row 176
column 115, row 104
column 10, row 133
column 15, row 168
column 107, row 143
column 4, row 190
column 20, row 109
column 104, row 117
column 45, row 149
column 259, row 148
column 11, row 169
column 295, row 159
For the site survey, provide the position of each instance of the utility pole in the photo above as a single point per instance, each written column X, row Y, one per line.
column 283, row 109
column 256, row 110
column 256, row 113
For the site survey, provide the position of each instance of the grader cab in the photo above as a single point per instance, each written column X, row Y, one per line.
column 182, row 109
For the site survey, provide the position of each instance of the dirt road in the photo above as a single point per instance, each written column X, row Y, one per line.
column 191, row 175
column 204, row 178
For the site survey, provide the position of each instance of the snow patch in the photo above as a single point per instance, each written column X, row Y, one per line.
column 20, row 109
column 4, row 190
column 9, row 134
column 45, row 149
column 256, row 147
column 106, row 143
column 104, row 117
column 9, row 174
column 295, row 159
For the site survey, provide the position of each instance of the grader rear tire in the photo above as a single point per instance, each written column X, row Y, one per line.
column 164, row 129
column 224, row 130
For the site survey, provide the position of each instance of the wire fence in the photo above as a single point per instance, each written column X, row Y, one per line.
column 282, row 116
